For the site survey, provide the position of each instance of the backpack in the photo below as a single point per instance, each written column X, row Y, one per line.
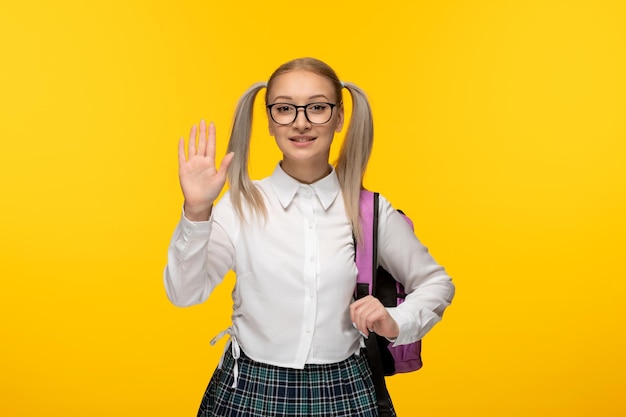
column 373, row 279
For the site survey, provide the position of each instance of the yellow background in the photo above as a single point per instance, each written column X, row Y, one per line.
column 500, row 130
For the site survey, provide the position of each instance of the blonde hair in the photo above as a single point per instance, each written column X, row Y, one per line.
column 353, row 155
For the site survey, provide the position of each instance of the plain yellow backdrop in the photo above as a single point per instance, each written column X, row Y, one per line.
column 500, row 129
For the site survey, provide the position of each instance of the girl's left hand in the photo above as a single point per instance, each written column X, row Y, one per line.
column 369, row 315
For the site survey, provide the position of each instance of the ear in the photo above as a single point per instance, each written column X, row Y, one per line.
column 340, row 119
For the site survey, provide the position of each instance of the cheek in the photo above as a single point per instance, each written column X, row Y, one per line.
column 336, row 127
column 278, row 132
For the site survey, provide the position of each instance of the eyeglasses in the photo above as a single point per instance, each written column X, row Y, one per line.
column 286, row 113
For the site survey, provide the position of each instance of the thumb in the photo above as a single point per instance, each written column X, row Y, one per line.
column 226, row 161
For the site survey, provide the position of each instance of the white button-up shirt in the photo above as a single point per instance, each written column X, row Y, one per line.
column 295, row 272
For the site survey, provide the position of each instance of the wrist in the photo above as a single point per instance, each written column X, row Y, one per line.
column 197, row 213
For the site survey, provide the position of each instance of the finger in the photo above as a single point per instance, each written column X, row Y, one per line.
column 361, row 301
column 181, row 152
column 372, row 318
column 362, row 334
column 192, row 141
column 368, row 318
column 355, row 307
column 202, row 139
column 228, row 159
column 369, row 314
column 223, row 171
column 211, row 140
column 359, row 314
column 378, row 320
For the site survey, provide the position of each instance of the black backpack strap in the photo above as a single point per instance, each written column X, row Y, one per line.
column 383, row 399
column 371, row 344
column 375, row 246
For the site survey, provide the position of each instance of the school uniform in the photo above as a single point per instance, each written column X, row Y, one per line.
column 293, row 348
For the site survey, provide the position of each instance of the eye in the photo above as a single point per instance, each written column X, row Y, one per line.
column 317, row 107
column 283, row 108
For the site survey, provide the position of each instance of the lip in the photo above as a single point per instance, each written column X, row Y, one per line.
column 302, row 138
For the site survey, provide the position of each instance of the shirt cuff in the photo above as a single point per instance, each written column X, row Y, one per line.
column 406, row 324
column 192, row 229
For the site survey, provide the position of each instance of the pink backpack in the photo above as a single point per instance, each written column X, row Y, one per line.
column 373, row 279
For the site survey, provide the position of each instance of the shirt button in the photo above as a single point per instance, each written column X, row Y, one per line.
column 312, row 258
column 308, row 330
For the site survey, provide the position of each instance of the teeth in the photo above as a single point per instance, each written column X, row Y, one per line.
column 301, row 140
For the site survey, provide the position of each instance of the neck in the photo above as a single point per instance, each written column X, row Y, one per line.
column 306, row 173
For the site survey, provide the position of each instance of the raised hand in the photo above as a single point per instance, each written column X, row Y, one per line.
column 200, row 179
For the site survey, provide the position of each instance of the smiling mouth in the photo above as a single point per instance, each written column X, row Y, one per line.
column 302, row 139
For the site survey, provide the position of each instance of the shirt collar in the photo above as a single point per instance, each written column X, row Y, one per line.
column 286, row 187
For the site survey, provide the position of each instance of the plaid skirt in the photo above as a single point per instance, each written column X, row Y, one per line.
column 342, row 389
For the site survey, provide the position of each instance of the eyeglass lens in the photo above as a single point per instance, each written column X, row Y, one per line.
column 285, row 113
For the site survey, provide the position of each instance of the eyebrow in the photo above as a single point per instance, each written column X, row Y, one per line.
column 291, row 98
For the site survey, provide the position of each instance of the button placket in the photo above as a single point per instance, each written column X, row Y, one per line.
column 310, row 266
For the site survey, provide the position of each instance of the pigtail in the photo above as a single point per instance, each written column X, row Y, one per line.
column 241, row 187
column 354, row 155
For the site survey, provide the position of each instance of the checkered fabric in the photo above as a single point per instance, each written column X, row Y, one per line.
column 341, row 389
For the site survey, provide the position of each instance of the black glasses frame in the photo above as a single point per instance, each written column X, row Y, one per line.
column 304, row 108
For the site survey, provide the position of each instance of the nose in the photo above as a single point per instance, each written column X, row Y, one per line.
column 301, row 121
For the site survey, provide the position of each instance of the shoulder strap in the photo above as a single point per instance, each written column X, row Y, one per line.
column 366, row 260
column 367, row 251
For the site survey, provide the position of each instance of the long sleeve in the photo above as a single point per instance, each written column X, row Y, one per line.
column 199, row 256
column 295, row 271
column 429, row 288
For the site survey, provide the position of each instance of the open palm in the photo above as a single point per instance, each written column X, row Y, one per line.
column 200, row 179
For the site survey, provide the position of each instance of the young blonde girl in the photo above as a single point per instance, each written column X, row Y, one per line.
column 297, row 333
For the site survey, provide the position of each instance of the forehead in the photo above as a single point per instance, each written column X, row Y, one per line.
column 301, row 85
